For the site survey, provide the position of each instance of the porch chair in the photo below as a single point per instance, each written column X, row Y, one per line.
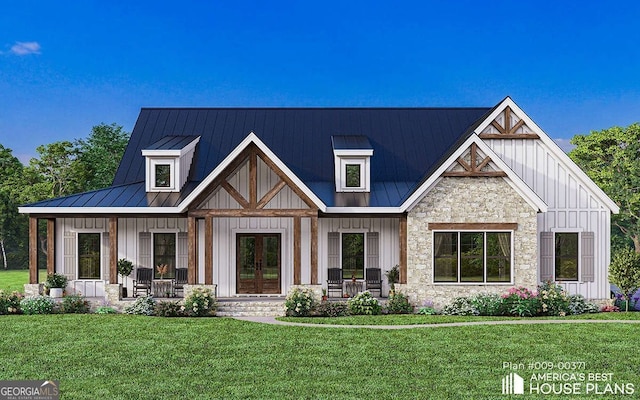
column 180, row 280
column 144, row 276
column 334, row 281
column 374, row 279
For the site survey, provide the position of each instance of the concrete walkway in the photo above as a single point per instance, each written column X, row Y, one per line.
column 274, row 321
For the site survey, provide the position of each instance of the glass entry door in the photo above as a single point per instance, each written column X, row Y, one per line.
column 258, row 263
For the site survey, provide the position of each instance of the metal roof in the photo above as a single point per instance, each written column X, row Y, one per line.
column 408, row 143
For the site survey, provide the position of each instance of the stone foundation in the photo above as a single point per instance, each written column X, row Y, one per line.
column 33, row 289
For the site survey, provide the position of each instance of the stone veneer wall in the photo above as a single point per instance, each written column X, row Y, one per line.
column 468, row 200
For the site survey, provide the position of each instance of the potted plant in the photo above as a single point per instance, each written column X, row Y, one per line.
column 393, row 276
column 124, row 269
column 324, row 294
column 56, row 283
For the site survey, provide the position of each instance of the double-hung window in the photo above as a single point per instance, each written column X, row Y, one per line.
column 164, row 255
column 89, row 256
column 472, row 257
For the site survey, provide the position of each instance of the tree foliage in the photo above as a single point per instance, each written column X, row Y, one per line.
column 611, row 157
column 61, row 168
column 624, row 272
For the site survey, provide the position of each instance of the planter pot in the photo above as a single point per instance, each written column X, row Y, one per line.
column 56, row 293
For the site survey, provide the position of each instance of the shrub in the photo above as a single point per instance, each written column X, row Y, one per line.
column 553, row 299
column 364, row 304
column 200, row 303
column 610, row 308
column 332, row 309
column 489, row 304
column 142, row 306
column 75, row 304
column 578, row 305
column 169, row 309
column 624, row 272
column 10, row 302
column 521, row 302
column 460, row 306
column 300, row 302
column 106, row 310
column 427, row 308
column 37, row 305
column 55, row 280
column 398, row 303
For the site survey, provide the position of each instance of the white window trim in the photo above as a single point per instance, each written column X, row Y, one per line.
column 77, row 271
column 485, row 283
column 174, row 167
column 341, row 173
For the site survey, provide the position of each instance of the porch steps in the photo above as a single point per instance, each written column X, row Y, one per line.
column 250, row 307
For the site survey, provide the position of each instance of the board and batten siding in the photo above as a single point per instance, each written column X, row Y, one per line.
column 383, row 231
column 573, row 207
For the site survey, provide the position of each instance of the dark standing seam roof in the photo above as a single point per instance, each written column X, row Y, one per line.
column 408, row 143
column 171, row 143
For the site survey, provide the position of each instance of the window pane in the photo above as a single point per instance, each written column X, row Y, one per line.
column 88, row 256
column 498, row 257
column 471, row 257
column 445, row 248
column 566, row 256
column 353, row 255
column 164, row 254
column 353, row 175
column 163, row 175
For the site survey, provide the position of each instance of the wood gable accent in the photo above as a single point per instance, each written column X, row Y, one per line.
column 250, row 204
column 507, row 125
column 473, row 164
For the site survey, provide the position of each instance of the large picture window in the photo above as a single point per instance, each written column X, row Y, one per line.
column 164, row 255
column 472, row 257
column 89, row 256
column 566, row 255
column 353, row 255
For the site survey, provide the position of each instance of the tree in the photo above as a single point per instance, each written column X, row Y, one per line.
column 624, row 272
column 11, row 170
column 611, row 157
column 101, row 153
column 56, row 172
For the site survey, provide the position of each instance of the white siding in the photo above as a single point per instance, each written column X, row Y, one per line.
column 572, row 205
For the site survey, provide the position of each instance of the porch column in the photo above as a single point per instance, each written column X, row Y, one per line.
column 51, row 245
column 192, row 262
column 113, row 250
column 33, row 250
column 208, row 251
column 297, row 251
column 314, row 250
column 403, row 248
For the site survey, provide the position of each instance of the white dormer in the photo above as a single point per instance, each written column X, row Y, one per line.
column 352, row 164
column 168, row 162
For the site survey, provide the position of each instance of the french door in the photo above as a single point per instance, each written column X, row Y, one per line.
column 258, row 263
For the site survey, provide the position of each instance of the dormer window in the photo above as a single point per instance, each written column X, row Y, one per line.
column 168, row 162
column 352, row 163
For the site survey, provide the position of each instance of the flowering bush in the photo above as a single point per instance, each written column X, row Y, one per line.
column 37, row 305
column 169, row 309
column 10, row 302
column 553, row 299
column 75, row 304
column 460, row 306
column 427, row 308
column 106, row 310
column 610, row 308
column 142, row 306
column 300, row 302
column 364, row 304
column 398, row 303
column 521, row 301
column 200, row 303
column 489, row 304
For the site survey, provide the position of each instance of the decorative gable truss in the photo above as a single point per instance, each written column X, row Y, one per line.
column 508, row 125
column 253, row 185
column 474, row 163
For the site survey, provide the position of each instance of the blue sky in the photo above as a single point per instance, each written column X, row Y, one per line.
column 573, row 66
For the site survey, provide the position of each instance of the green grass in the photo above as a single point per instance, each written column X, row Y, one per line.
column 414, row 319
column 130, row 357
column 14, row 279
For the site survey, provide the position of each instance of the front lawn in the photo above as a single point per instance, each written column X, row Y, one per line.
column 135, row 357
column 14, row 279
